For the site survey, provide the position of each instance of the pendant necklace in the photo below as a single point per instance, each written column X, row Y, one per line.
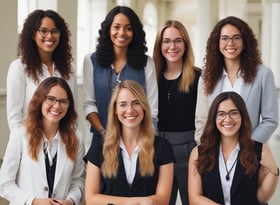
column 170, row 88
column 228, row 172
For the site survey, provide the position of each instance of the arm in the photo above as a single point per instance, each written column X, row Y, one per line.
column 152, row 89
column 195, row 184
column 201, row 112
column 94, row 197
column 267, row 175
column 10, row 168
column 90, row 108
column 268, row 109
column 15, row 93
column 74, row 87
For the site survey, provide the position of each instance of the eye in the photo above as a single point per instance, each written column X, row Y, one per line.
column 178, row 40
column 166, row 41
column 64, row 102
column 55, row 31
column 44, row 31
column 224, row 38
column 221, row 114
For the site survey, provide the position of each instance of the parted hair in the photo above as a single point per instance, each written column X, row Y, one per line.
column 111, row 147
column 211, row 137
column 34, row 119
column 188, row 69
column 136, row 49
column 214, row 63
column 28, row 49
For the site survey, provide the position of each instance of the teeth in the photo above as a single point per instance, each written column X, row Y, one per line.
column 54, row 113
column 48, row 42
column 130, row 118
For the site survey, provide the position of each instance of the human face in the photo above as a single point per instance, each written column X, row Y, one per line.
column 47, row 44
column 230, row 125
column 172, row 45
column 54, row 112
column 121, row 33
column 129, row 110
column 232, row 49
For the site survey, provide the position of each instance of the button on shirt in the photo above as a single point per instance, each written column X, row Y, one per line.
column 238, row 83
column 226, row 184
column 130, row 162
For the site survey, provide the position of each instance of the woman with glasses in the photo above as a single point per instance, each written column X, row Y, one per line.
column 177, row 83
column 130, row 165
column 120, row 55
column 44, row 50
column 43, row 163
column 228, row 167
column 233, row 63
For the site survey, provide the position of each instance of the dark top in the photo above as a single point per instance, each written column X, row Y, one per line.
column 243, row 189
column 176, row 112
column 141, row 186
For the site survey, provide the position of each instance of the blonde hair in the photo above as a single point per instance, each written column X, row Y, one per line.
column 113, row 132
column 188, row 74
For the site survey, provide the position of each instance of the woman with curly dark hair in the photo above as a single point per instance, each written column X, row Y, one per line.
column 228, row 167
column 120, row 54
column 233, row 63
column 44, row 50
column 43, row 162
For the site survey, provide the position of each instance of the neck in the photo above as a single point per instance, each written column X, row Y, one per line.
column 50, row 130
column 172, row 71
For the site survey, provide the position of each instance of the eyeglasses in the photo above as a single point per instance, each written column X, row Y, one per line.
column 45, row 32
column 168, row 42
column 51, row 100
column 233, row 114
column 237, row 39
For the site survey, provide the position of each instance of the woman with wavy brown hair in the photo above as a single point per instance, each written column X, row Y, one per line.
column 131, row 165
column 228, row 167
column 233, row 63
column 43, row 163
column 44, row 50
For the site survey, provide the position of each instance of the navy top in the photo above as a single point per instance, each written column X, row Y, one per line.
column 141, row 186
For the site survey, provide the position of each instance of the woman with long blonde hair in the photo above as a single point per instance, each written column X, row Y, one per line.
column 131, row 165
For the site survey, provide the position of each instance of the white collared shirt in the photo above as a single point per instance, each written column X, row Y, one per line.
column 51, row 147
column 238, row 83
column 130, row 163
column 231, row 165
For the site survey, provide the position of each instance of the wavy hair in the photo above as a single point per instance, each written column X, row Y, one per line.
column 34, row 119
column 188, row 71
column 28, row 49
column 214, row 60
column 211, row 137
column 136, row 49
column 114, row 130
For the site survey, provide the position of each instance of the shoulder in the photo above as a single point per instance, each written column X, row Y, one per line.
column 261, row 70
column 163, row 150
column 17, row 65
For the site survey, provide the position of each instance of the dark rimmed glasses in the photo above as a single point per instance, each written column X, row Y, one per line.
column 233, row 114
column 51, row 100
column 237, row 39
column 44, row 32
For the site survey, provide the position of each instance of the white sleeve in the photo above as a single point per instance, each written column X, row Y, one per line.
column 152, row 88
column 89, row 94
column 16, row 89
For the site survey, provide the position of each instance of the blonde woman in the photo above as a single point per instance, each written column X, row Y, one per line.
column 131, row 165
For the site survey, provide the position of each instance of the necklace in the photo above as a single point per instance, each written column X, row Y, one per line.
column 228, row 172
column 171, row 88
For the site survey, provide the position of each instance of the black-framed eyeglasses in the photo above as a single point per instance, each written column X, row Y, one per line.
column 51, row 100
column 169, row 42
column 44, row 32
column 237, row 39
column 233, row 114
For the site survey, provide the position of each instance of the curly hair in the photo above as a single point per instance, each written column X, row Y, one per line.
column 34, row 119
column 214, row 60
column 211, row 137
column 137, row 48
column 113, row 132
column 188, row 71
column 28, row 49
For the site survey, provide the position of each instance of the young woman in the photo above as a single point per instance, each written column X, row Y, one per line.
column 120, row 55
column 233, row 63
column 177, row 82
column 228, row 167
column 131, row 165
column 44, row 50
column 43, row 163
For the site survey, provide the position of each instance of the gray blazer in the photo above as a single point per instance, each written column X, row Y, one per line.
column 260, row 97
